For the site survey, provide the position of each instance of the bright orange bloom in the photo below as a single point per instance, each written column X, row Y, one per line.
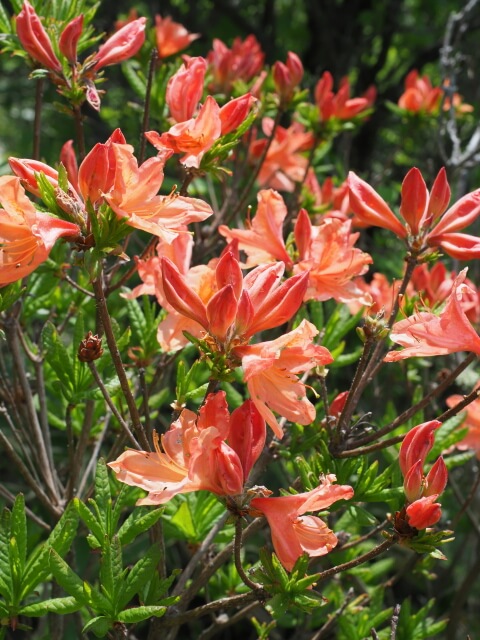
column 427, row 223
column 124, row 44
column 433, row 287
column 240, row 306
column 263, row 240
column 426, row 334
column 328, row 254
column 338, row 105
column 171, row 36
column 381, row 292
column 287, row 77
column 242, row 62
column 34, row 39
column 293, row 533
column 329, row 201
column 420, row 95
column 133, row 196
column 185, row 89
column 422, row 491
column 69, row 38
column 193, row 137
column 270, row 370
column 284, row 164
column 214, row 451
column 26, row 235
column 472, row 421
column 196, row 136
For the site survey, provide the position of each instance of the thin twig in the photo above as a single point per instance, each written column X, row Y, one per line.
column 112, row 406
column 373, row 553
column 146, row 105
column 424, row 402
column 33, row 516
column 224, row 603
column 29, row 479
column 257, row 588
column 35, row 428
column 117, row 362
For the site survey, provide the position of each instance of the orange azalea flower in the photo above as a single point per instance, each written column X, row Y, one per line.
column 26, row 235
column 270, row 370
column 213, row 451
column 421, row 491
column 185, row 89
column 284, row 164
column 287, row 77
column 330, row 201
column 328, row 254
column 124, row 44
column 433, row 287
column 472, row 421
column 263, row 240
column 293, row 533
column 35, row 40
column 171, row 36
column 242, row 62
column 133, row 196
column 419, row 94
column 427, row 223
column 240, row 306
column 382, row 294
column 426, row 334
column 338, row 105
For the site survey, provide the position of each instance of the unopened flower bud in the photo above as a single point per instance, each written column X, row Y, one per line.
column 90, row 348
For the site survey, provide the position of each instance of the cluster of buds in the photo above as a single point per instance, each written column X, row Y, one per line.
column 35, row 40
column 421, row 491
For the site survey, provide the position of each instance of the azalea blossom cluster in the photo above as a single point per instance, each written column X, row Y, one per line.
column 243, row 277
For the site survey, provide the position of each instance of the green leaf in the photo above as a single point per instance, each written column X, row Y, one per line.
column 139, row 521
column 10, row 294
column 92, row 523
column 68, row 579
column 103, row 498
column 138, row 576
column 18, row 529
column 60, row 606
column 137, row 614
column 60, row 539
column 111, row 568
column 99, row 626
column 6, row 586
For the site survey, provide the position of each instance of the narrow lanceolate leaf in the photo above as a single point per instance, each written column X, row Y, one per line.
column 37, row 568
column 137, row 614
column 18, row 529
column 98, row 626
column 138, row 576
column 62, row 606
column 103, row 496
column 5, row 575
column 137, row 523
column 111, row 568
column 67, row 578
column 121, row 501
column 89, row 519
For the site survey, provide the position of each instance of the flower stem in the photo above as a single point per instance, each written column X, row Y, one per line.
column 373, row 553
column 146, row 105
column 117, row 361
